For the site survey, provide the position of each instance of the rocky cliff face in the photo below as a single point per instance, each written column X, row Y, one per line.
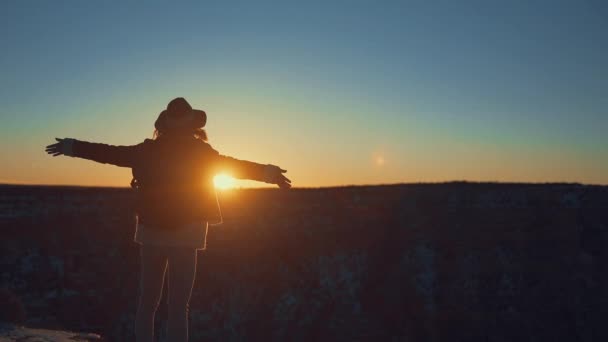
column 436, row 262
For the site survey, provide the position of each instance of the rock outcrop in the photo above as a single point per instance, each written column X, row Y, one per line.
column 10, row 332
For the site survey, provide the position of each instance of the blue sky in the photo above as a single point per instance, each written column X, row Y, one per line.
column 438, row 90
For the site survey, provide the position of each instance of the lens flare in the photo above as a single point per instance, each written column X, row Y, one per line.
column 223, row 182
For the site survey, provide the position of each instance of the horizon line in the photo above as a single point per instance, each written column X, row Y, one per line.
column 322, row 187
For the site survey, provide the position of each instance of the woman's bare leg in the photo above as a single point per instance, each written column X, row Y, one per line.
column 153, row 266
column 182, row 271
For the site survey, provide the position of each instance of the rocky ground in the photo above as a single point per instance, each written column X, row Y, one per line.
column 422, row 262
column 9, row 332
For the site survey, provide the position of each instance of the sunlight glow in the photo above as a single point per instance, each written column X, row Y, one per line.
column 223, row 181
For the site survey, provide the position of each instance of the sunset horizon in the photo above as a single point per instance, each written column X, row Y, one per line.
column 358, row 94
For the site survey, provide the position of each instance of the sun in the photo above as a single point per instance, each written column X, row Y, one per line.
column 223, row 181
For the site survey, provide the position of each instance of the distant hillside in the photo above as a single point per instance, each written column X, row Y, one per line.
column 424, row 262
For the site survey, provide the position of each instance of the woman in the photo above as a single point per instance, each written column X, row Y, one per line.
column 173, row 177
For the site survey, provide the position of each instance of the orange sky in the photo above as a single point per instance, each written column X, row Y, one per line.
column 337, row 95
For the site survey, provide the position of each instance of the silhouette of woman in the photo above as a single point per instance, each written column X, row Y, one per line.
column 176, row 200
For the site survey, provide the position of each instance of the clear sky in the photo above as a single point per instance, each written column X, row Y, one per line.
column 337, row 92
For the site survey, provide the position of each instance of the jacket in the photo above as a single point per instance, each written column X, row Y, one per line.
column 173, row 177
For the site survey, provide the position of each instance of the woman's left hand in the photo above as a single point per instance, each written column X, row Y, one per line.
column 62, row 146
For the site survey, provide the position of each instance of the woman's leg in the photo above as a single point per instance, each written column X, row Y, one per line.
column 182, row 271
column 153, row 266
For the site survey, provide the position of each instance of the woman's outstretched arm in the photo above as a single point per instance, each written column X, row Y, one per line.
column 108, row 154
column 244, row 169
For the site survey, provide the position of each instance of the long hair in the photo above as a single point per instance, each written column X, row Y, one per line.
column 198, row 133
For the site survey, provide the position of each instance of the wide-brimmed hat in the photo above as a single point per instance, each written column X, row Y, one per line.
column 180, row 115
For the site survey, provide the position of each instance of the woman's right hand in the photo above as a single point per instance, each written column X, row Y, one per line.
column 274, row 175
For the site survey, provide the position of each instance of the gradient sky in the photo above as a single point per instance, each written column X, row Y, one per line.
column 337, row 92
